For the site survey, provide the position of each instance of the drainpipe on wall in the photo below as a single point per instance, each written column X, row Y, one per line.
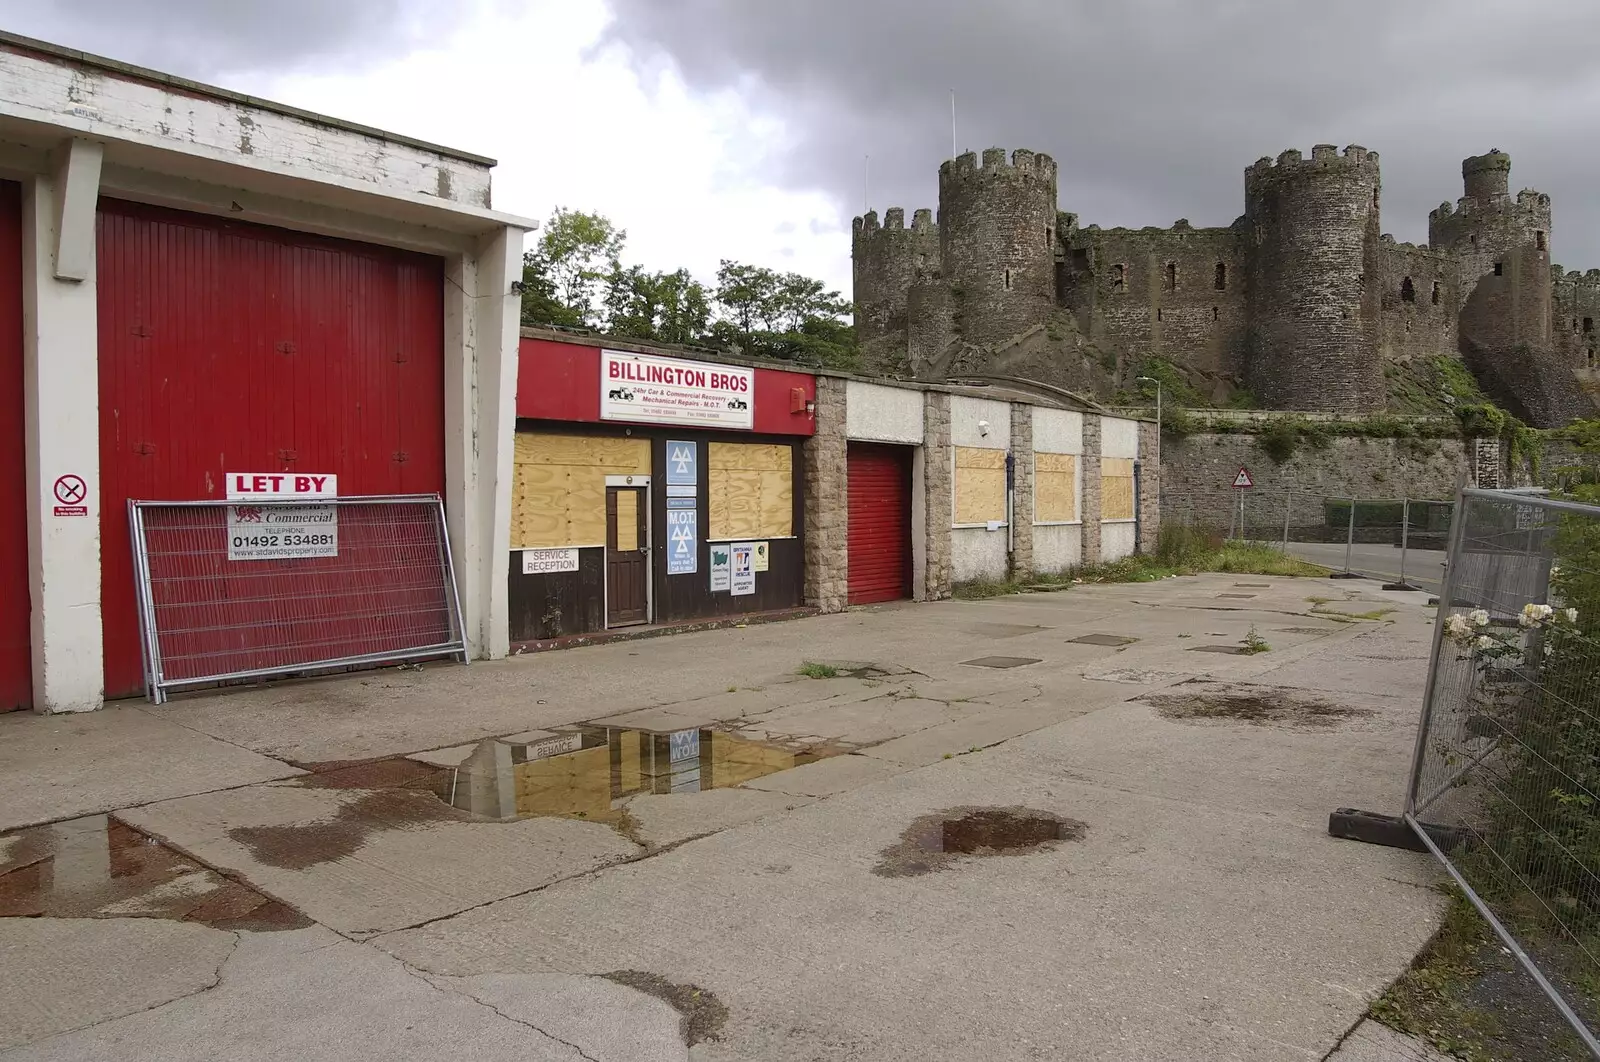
column 1138, row 508
column 1011, row 513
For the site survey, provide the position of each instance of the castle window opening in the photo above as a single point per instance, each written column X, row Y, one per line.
column 1080, row 261
column 1008, row 280
column 1591, row 357
column 1588, row 325
column 1538, row 240
column 1375, row 199
column 1119, row 277
column 1049, row 237
column 1158, row 313
column 1222, row 277
column 1435, row 295
column 1172, row 276
column 1408, row 291
column 1473, row 238
column 1216, row 314
column 1499, row 269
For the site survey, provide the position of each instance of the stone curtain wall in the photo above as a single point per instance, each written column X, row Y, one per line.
column 1150, row 480
column 827, row 508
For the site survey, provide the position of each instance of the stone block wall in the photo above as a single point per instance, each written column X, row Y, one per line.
column 1091, row 490
column 1022, row 494
column 1149, row 486
column 938, row 484
column 827, row 502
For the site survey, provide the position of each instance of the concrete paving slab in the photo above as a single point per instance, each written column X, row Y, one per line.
column 67, row 766
column 827, row 777
column 364, row 861
column 978, row 731
column 1151, row 930
column 657, row 720
column 1371, row 1042
column 63, row 974
column 609, row 1022
column 667, row 818
column 282, row 999
column 860, row 722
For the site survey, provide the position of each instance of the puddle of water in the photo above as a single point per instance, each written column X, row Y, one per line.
column 583, row 772
column 101, row 868
column 934, row 842
column 1266, row 708
column 702, row 1015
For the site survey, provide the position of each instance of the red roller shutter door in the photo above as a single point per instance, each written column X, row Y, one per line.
column 880, row 523
column 226, row 346
column 16, row 663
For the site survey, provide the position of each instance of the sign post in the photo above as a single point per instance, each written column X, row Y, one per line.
column 1241, row 483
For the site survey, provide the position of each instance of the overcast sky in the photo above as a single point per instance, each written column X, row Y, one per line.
column 741, row 128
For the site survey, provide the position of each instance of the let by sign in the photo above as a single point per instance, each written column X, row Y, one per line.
column 280, row 486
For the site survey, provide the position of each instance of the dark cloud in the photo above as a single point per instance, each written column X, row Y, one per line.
column 206, row 39
column 1153, row 107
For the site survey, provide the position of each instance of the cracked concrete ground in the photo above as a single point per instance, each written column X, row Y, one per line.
column 1204, row 913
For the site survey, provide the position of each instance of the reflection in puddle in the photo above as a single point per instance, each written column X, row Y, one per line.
column 591, row 772
column 585, row 772
column 933, row 842
column 100, row 868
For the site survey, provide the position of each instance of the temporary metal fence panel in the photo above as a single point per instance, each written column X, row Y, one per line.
column 229, row 592
column 1505, row 782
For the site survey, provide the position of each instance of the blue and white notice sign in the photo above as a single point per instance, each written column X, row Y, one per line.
column 683, row 541
column 682, row 464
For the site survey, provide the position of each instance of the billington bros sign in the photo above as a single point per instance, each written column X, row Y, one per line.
column 640, row 388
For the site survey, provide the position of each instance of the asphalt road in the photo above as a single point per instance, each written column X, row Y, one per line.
column 1423, row 567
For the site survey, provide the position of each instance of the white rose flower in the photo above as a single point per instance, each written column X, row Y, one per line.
column 1485, row 642
column 1549, row 650
column 1456, row 626
column 1528, row 619
column 1479, row 617
column 1572, row 615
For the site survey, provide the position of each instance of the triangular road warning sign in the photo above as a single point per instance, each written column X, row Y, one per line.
column 1243, row 478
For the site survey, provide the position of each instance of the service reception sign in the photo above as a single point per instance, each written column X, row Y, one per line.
column 645, row 389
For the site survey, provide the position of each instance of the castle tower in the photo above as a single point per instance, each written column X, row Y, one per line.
column 886, row 259
column 997, row 237
column 1313, row 236
column 1502, row 245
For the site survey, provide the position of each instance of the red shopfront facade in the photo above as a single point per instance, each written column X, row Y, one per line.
column 653, row 487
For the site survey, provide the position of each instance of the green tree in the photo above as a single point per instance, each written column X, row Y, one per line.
column 577, row 253
column 669, row 307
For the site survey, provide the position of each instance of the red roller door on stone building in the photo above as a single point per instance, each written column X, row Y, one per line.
column 16, row 666
column 880, row 523
column 229, row 347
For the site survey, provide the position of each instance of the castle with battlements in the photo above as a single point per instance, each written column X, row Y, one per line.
column 1303, row 301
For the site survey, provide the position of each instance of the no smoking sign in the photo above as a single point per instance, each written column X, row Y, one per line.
column 71, row 495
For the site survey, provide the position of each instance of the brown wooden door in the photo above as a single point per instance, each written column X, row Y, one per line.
column 627, row 557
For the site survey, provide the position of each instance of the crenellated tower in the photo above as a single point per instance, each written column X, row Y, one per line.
column 886, row 259
column 1313, row 238
column 997, row 222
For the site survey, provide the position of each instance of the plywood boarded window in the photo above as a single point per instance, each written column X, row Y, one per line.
column 558, row 491
column 980, row 485
column 752, row 491
column 1116, row 488
column 1055, row 488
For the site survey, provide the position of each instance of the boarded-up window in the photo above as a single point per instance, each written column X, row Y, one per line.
column 980, row 485
column 558, row 493
column 1055, row 488
column 1116, row 488
column 752, row 491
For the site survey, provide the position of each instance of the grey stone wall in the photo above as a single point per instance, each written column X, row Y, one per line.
column 1420, row 298
column 938, row 484
column 827, row 502
column 997, row 226
column 931, row 324
column 1150, row 480
column 1091, row 490
column 1176, row 293
column 1197, row 473
column 1315, row 267
column 1022, row 493
column 1575, row 302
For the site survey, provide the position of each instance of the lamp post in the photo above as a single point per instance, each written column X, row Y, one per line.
column 1148, row 379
